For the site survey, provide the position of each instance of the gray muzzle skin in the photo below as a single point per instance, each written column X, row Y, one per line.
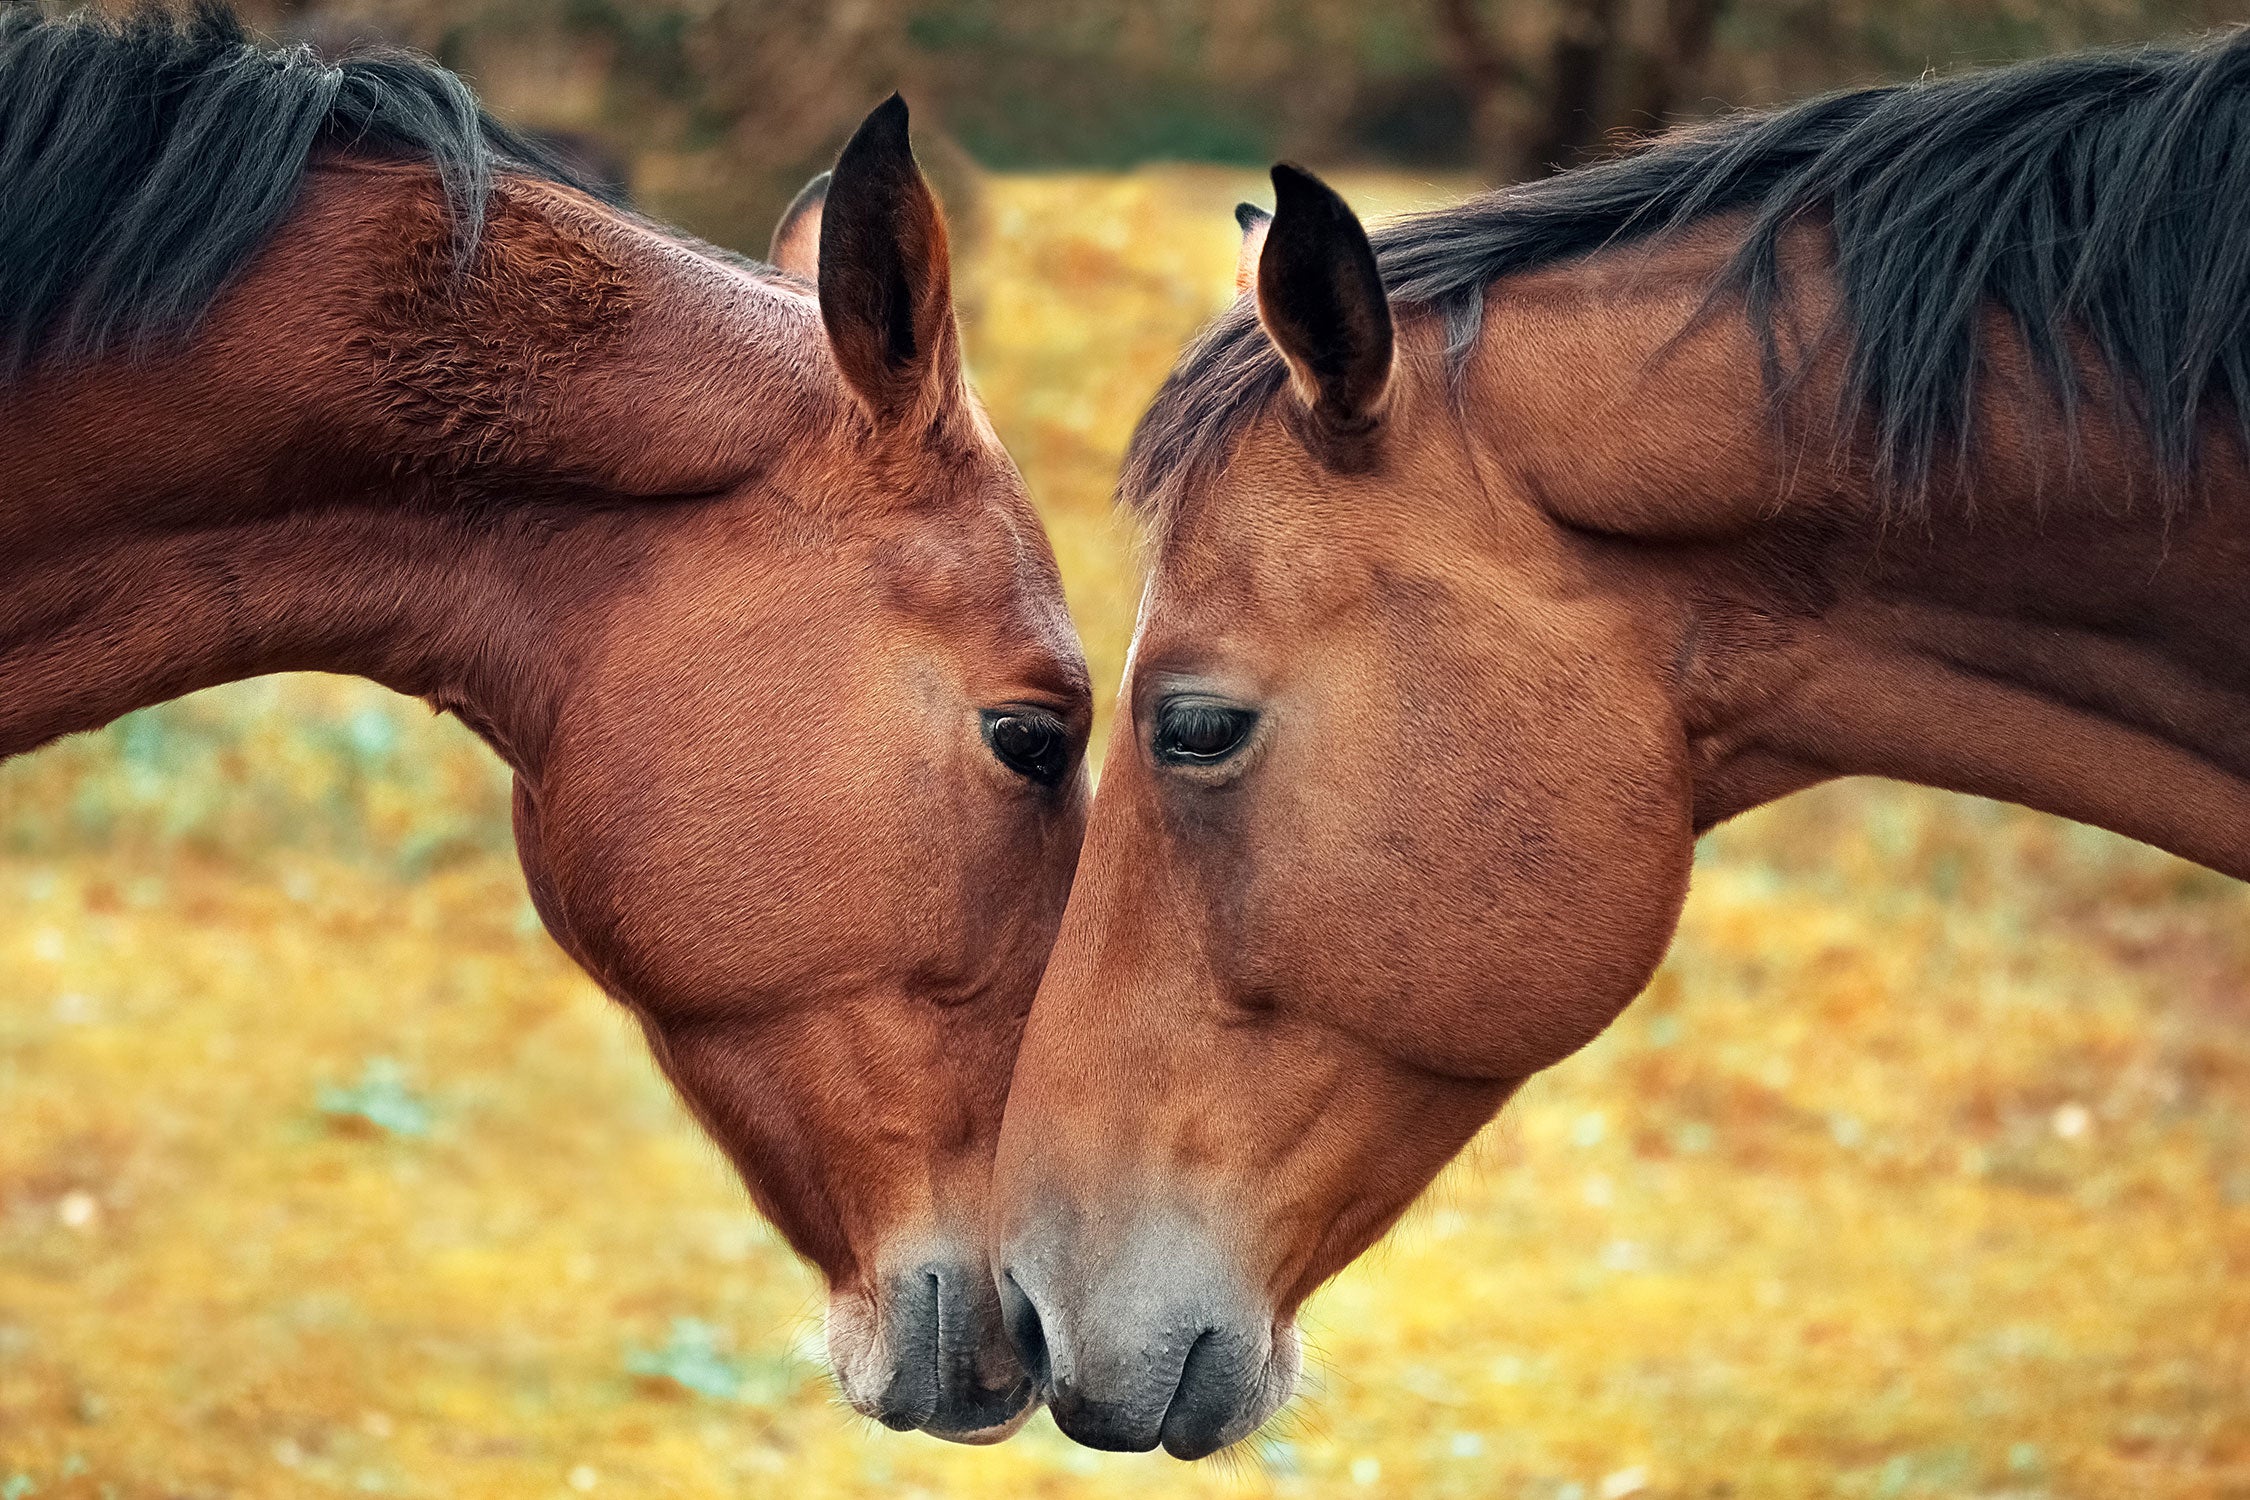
column 931, row 1352
column 1154, row 1341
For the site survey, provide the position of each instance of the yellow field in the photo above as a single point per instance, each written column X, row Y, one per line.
column 1924, row 1170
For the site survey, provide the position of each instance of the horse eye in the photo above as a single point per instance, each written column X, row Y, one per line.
column 1189, row 732
column 1029, row 743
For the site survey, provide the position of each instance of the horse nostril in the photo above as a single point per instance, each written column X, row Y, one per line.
column 937, row 1320
column 1020, row 1315
column 1206, row 1400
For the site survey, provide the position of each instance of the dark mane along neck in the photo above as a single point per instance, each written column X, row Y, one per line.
column 2100, row 203
column 2056, row 626
column 304, row 368
column 142, row 163
column 367, row 461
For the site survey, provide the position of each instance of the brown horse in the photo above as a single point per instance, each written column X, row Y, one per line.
column 1896, row 434
column 313, row 368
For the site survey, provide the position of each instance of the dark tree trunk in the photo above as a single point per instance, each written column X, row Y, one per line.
column 1489, row 75
column 1585, row 47
column 1666, row 72
column 1598, row 82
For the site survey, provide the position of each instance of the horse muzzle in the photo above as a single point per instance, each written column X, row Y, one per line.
column 1156, row 1342
column 926, row 1349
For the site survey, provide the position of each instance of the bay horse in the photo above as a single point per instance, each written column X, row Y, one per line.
column 317, row 368
column 1899, row 433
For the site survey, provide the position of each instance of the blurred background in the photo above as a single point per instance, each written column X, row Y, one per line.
column 1922, row 1170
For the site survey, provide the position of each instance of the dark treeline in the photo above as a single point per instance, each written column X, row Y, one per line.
column 717, row 109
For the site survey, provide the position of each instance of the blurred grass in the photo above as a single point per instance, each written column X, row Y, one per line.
column 1923, row 1170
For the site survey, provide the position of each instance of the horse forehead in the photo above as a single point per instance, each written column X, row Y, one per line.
column 978, row 563
column 1279, row 538
column 1260, row 550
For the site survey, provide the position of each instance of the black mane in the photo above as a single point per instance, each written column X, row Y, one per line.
column 2101, row 196
column 142, row 162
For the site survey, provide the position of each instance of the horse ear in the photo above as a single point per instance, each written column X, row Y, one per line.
column 1321, row 300
column 1255, row 221
column 886, row 283
column 796, row 239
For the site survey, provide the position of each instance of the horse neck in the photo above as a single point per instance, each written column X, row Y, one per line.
column 297, row 489
column 111, row 601
column 2046, row 630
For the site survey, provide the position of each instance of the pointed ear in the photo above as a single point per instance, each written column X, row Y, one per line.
column 1255, row 221
column 1321, row 300
column 886, row 284
column 796, row 239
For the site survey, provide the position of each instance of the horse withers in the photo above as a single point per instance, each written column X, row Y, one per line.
column 1900, row 433
column 309, row 367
